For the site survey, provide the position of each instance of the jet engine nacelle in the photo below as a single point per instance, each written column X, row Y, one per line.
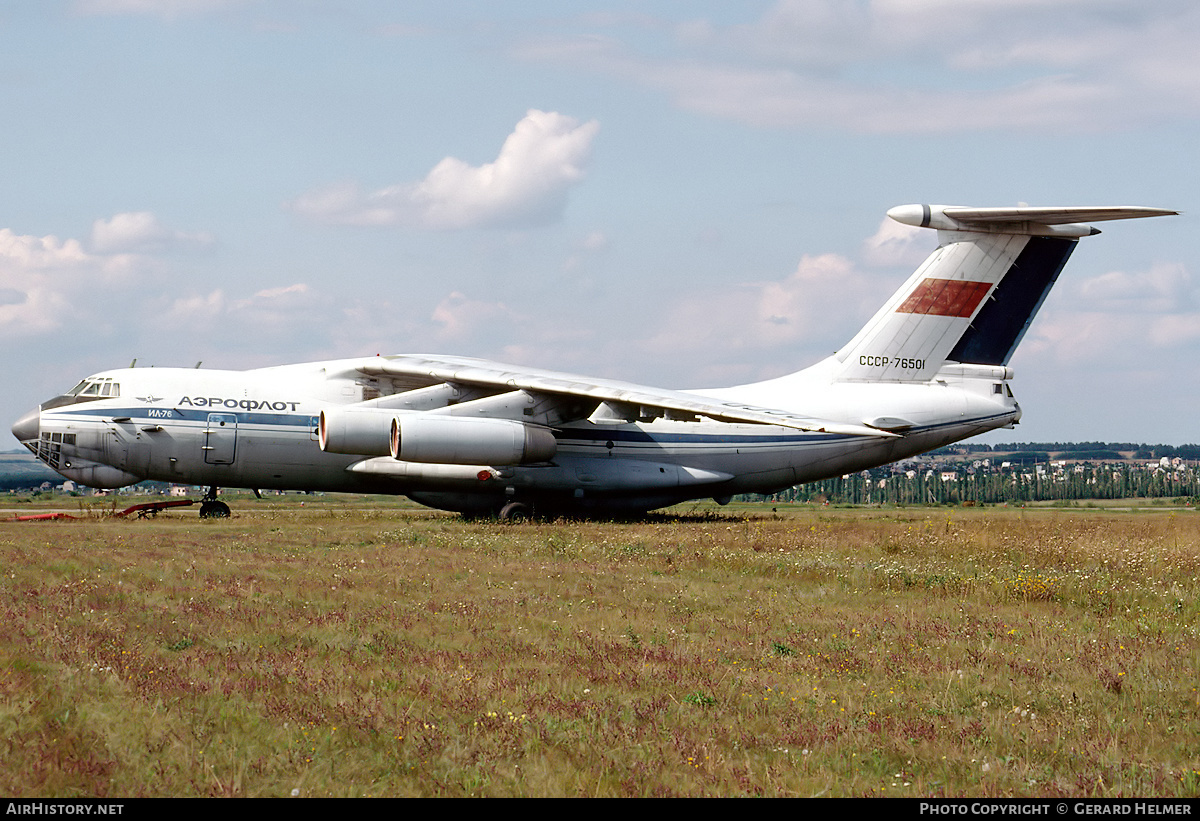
column 457, row 440
column 361, row 431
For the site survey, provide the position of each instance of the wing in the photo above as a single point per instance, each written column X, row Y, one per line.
column 415, row 371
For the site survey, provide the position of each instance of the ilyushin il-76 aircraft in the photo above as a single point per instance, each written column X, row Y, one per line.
column 483, row 438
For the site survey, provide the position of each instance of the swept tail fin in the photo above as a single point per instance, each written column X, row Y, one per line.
column 973, row 299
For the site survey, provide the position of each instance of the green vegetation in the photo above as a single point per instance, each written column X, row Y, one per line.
column 814, row 651
column 957, row 485
column 20, row 469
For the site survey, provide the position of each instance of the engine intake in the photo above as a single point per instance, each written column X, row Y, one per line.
column 458, row 440
column 361, row 431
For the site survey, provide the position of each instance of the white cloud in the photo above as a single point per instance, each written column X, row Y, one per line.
column 168, row 9
column 898, row 244
column 46, row 282
column 289, row 309
column 1116, row 319
column 461, row 319
column 925, row 66
column 196, row 311
column 298, row 289
column 1162, row 288
column 526, row 185
column 593, row 245
column 804, row 316
column 140, row 231
column 40, row 253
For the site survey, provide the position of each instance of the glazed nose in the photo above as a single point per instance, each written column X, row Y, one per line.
column 27, row 428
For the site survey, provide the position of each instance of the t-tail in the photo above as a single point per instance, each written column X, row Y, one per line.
column 973, row 299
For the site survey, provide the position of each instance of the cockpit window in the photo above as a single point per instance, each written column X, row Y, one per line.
column 86, row 391
column 96, row 387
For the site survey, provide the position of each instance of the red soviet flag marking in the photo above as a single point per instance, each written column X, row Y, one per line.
column 945, row 297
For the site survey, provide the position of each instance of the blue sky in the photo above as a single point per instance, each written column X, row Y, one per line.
column 687, row 194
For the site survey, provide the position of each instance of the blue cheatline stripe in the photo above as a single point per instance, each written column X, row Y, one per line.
column 998, row 327
column 188, row 415
column 592, row 436
column 599, row 434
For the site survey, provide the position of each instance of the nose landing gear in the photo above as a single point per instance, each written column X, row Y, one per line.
column 211, row 508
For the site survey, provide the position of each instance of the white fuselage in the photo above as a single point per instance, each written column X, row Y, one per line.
column 259, row 429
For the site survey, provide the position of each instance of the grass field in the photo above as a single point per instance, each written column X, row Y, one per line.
column 379, row 651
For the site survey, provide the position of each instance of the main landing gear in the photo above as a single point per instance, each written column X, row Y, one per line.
column 211, row 508
column 516, row 512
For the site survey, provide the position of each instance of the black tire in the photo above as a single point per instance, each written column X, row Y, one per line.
column 515, row 512
column 214, row 510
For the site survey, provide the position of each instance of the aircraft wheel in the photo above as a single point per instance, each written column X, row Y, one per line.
column 515, row 512
column 214, row 510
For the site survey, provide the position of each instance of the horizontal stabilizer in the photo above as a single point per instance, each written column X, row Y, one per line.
column 1055, row 216
column 1024, row 219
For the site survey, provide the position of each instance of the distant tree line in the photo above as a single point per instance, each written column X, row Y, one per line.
column 1077, row 450
column 995, row 486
